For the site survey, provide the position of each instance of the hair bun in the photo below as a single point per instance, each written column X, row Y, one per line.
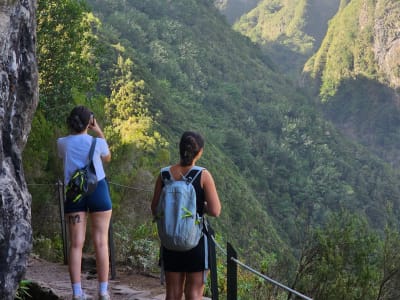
column 79, row 119
column 190, row 145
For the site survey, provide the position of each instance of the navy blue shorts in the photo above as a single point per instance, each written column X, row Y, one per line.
column 99, row 200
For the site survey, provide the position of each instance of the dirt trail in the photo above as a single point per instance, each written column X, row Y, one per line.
column 128, row 285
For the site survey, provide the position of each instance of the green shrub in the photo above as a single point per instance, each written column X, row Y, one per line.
column 49, row 249
column 137, row 246
column 23, row 290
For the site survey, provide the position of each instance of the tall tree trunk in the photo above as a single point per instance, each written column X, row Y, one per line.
column 18, row 100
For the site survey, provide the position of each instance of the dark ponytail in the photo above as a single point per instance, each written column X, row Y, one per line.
column 190, row 145
column 79, row 119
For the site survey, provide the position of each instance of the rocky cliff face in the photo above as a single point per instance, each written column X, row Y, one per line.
column 234, row 9
column 18, row 100
column 387, row 40
column 363, row 39
column 357, row 72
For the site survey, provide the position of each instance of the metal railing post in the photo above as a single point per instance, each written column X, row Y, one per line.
column 61, row 195
column 231, row 273
column 111, row 247
column 213, row 264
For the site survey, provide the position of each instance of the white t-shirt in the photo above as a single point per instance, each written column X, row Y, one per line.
column 74, row 150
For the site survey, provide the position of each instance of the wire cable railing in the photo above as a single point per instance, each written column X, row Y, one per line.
column 270, row 279
column 130, row 187
column 230, row 253
column 232, row 288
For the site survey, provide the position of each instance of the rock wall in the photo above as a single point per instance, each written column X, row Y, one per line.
column 18, row 100
column 387, row 40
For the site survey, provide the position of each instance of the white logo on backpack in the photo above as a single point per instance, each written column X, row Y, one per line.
column 179, row 225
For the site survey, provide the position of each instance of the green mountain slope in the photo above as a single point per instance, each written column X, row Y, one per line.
column 360, row 47
column 302, row 202
column 356, row 72
column 289, row 30
column 191, row 61
column 271, row 153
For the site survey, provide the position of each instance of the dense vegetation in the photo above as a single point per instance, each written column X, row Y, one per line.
column 353, row 62
column 356, row 74
column 290, row 31
column 287, row 179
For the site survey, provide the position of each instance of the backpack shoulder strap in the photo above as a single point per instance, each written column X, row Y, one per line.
column 91, row 152
column 166, row 174
column 192, row 178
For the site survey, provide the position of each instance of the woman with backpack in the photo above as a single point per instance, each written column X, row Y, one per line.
column 74, row 150
column 185, row 271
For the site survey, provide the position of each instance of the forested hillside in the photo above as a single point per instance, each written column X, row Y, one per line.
column 353, row 62
column 290, row 31
column 290, row 183
column 356, row 71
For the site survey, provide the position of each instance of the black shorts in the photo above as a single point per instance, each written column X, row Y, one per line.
column 193, row 260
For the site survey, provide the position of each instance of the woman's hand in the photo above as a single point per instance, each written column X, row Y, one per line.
column 96, row 128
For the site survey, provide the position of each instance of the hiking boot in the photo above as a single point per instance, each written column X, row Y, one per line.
column 104, row 297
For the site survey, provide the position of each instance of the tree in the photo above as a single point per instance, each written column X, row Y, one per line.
column 65, row 54
column 126, row 109
column 389, row 287
column 342, row 260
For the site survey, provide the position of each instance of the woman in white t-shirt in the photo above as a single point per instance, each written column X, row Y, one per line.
column 74, row 151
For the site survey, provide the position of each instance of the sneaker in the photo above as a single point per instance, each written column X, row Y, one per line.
column 104, row 297
column 81, row 297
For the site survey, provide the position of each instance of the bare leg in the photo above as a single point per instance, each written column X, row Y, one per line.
column 100, row 224
column 194, row 286
column 174, row 282
column 77, row 231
